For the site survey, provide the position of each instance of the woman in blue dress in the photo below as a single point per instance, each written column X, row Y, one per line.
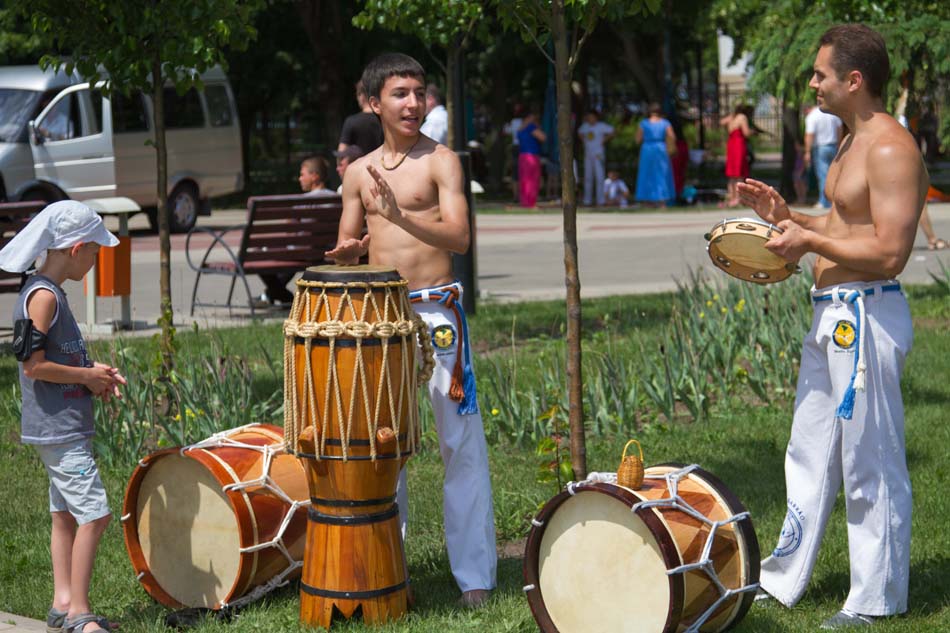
column 655, row 172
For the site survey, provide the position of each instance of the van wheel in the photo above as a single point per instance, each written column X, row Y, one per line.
column 152, row 214
column 40, row 195
column 183, row 208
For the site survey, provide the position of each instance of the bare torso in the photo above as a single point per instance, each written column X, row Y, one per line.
column 848, row 189
column 417, row 195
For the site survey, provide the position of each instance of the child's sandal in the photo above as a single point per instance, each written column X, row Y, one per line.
column 54, row 621
column 76, row 624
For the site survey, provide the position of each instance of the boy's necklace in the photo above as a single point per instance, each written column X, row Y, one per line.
column 382, row 156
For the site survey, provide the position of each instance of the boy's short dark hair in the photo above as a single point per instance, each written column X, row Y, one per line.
column 389, row 65
column 317, row 165
column 858, row 47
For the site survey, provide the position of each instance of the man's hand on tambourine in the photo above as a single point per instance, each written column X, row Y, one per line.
column 764, row 200
column 792, row 244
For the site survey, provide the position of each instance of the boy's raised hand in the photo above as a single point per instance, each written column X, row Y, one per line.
column 385, row 198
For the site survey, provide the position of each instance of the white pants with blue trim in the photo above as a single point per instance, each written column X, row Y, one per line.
column 467, row 508
column 866, row 453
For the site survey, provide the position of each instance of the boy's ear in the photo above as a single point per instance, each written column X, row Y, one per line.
column 74, row 249
column 374, row 105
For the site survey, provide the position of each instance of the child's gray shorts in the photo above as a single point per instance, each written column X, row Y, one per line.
column 74, row 483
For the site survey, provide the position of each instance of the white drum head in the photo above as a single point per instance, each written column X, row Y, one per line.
column 188, row 531
column 601, row 568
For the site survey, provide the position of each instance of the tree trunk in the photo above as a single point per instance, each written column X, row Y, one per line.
column 166, row 345
column 790, row 129
column 451, row 79
column 323, row 22
column 569, row 205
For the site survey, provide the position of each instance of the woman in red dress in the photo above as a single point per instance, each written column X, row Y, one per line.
column 739, row 129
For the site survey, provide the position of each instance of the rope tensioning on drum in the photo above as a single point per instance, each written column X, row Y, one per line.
column 358, row 328
column 705, row 563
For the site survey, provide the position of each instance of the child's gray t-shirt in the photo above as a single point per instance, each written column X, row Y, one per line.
column 55, row 413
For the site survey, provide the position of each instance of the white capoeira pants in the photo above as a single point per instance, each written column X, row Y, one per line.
column 866, row 452
column 594, row 177
column 467, row 508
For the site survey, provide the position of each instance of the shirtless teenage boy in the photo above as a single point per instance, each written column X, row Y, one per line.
column 849, row 419
column 410, row 191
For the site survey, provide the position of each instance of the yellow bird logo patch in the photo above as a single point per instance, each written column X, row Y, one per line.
column 443, row 337
column 844, row 334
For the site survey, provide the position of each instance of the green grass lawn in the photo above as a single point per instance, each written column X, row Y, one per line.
column 741, row 444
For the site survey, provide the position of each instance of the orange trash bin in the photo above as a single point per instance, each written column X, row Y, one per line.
column 114, row 269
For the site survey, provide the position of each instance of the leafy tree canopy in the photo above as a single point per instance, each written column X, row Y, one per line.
column 782, row 38
column 123, row 38
column 434, row 23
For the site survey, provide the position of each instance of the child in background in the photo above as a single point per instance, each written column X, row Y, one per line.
column 57, row 381
column 616, row 191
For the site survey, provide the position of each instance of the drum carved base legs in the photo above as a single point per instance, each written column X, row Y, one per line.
column 351, row 562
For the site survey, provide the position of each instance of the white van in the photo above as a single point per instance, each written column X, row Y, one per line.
column 61, row 138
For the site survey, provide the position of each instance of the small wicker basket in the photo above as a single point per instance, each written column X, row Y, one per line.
column 630, row 472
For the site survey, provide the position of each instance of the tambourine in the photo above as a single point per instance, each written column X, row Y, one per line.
column 737, row 247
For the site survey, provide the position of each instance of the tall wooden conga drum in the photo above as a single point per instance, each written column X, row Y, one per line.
column 351, row 372
column 677, row 555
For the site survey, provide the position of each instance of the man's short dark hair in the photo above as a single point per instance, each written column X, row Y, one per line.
column 389, row 65
column 317, row 165
column 858, row 47
column 433, row 91
column 350, row 152
column 360, row 90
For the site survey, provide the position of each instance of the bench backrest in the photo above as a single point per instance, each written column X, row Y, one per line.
column 13, row 217
column 290, row 228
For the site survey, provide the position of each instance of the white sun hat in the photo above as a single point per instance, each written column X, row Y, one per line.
column 60, row 225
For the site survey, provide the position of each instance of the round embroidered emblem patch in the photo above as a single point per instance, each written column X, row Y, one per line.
column 844, row 334
column 791, row 536
column 443, row 337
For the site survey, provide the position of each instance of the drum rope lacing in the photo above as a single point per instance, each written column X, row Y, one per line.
column 394, row 318
column 223, row 440
column 676, row 502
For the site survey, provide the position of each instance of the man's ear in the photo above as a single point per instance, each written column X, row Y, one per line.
column 74, row 249
column 855, row 81
column 374, row 105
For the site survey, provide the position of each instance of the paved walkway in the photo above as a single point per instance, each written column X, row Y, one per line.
column 10, row 623
column 520, row 257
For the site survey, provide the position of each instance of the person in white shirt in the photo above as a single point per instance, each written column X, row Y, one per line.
column 822, row 135
column 616, row 191
column 595, row 134
column 436, row 125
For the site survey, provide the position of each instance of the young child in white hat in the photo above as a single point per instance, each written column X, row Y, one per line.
column 58, row 381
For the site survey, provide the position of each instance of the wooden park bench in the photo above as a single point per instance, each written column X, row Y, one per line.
column 283, row 234
column 13, row 217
